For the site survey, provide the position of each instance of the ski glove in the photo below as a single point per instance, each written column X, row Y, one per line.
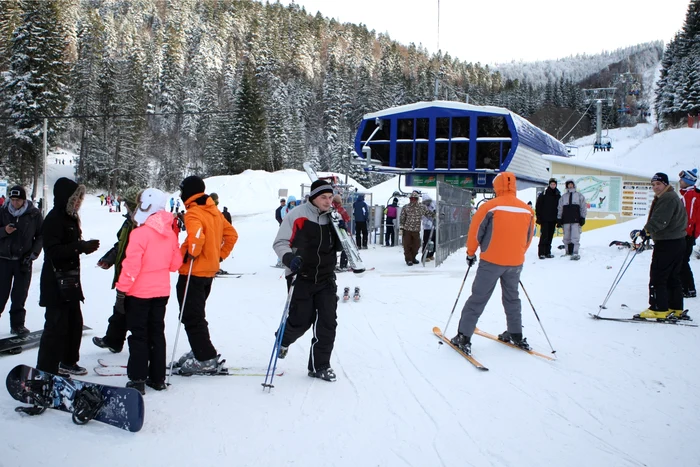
column 119, row 304
column 293, row 262
column 471, row 260
column 89, row 246
column 582, row 221
column 559, row 224
column 640, row 234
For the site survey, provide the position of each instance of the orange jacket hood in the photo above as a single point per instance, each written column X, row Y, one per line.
column 505, row 183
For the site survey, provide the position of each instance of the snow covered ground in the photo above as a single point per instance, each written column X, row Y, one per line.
column 618, row 395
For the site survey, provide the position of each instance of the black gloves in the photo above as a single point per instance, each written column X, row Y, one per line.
column 89, row 246
column 471, row 260
column 119, row 304
column 559, row 224
column 582, row 221
column 293, row 262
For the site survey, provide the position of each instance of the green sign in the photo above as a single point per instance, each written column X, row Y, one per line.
column 461, row 181
column 422, row 180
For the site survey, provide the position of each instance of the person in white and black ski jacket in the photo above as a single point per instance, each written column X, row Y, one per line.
column 308, row 244
column 571, row 215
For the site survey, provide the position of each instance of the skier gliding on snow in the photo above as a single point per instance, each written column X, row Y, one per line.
column 503, row 228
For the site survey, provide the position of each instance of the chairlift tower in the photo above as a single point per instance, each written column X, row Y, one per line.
column 600, row 96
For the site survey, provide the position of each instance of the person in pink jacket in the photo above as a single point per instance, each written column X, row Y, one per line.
column 143, row 289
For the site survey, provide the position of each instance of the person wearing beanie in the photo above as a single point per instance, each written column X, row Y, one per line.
column 360, row 212
column 20, row 244
column 502, row 229
column 115, row 336
column 666, row 225
column 571, row 216
column 215, row 198
column 691, row 200
column 546, row 208
column 391, row 212
column 410, row 226
column 308, row 244
column 143, row 289
column 210, row 240
column 60, row 291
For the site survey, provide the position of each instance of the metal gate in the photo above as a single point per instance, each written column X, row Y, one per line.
column 454, row 215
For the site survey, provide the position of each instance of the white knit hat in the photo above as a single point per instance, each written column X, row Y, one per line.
column 150, row 201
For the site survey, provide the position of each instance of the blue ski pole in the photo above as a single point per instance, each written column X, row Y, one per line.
column 278, row 342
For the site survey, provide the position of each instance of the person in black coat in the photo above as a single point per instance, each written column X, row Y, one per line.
column 227, row 216
column 546, row 217
column 60, row 291
column 20, row 245
column 278, row 211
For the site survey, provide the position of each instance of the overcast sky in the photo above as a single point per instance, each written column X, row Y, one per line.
column 500, row 31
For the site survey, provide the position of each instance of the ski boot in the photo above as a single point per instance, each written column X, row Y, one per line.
column 356, row 295
column 690, row 294
column 462, row 343
column 182, row 360
column 409, row 263
column 516, row 339
column 326, row 374
column 415, row 261
column 549, row 256
column 542, row 257
column 192, row 366
column 157, row 385
column 653, row 314
column 346, row 294
column 575, row 257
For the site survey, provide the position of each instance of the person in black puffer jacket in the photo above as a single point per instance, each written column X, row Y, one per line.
column 546, row 216
column 20, row 245
column 307, row 244
column 59, row 349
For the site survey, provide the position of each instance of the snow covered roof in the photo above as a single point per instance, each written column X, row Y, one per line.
column 606, row 167
column 442, row 104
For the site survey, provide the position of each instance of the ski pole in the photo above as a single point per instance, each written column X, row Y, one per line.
column 179, row 324
column 456, row 300
column 278, row 341
column 537, row 316
column 618, row 278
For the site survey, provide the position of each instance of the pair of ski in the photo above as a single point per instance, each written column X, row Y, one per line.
column 636, row 319
column 355, row 295
column 478, row 365
column 111, row 369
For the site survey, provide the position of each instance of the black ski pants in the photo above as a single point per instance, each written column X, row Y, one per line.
column 194, row 314
column 361, row 234
column 60, row 341
column 687, row 278
column 546, row 235
column 14, row 284
column 116, row 331
column 389, row 235
column 426, row 238
column 665, row 290
column 313, row 306
column 145, row 319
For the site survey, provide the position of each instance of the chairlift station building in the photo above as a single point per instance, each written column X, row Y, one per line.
column 460, row 144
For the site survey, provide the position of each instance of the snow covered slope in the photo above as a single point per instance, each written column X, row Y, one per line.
column 618, row 395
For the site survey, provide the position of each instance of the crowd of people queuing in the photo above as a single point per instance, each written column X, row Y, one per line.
column 147, row 250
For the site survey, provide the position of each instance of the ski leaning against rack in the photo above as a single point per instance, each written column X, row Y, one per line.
column 349, row 246
column 470, row 359
column 495, row 338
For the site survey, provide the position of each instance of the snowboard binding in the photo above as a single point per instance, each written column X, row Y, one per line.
column 87, row 403
column 40, row 391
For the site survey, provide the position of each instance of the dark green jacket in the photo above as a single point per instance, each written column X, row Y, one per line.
column 115, row 255
column 667, row 217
